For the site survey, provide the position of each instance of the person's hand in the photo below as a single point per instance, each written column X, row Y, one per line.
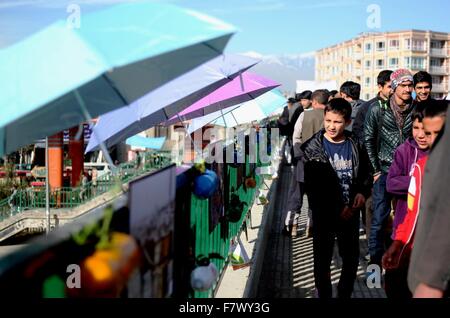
column 346, row 213
column 425, row 291
column 376, row 177
column 391, row 257
column 359, row 201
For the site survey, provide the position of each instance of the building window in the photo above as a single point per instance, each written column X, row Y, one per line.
column 418, row 45
column 367, row 96
column 418, row 63
column 367, row 82
column 367, row 65
column 436, row 62
column 368, row 47
column 393, row 62
column 380, row 46
column 380, row 63
column 407, row 62
column 394, row 44
column 437, row 44
column 437, row 80
column 407, row 44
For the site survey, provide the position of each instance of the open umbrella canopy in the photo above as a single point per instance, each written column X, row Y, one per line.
column 166, row 101
column 253, row 110
column 116, row 56
column 246, row 87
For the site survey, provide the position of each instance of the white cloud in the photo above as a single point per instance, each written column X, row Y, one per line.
column 57, row 3
column 334, row 4
column 259, row 6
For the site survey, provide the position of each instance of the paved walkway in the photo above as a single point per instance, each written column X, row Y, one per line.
column 288, row 264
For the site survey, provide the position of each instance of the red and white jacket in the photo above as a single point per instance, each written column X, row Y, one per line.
column 405, row 231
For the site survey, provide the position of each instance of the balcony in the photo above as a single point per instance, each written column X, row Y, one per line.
column 438, row 70
column 438, row 52
column 417, row 67
column 441, row 87
column 419, row 49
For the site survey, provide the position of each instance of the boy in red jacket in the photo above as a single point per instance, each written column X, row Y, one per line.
column 398, row 254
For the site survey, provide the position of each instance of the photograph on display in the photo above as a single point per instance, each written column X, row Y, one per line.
column 216, row 202
column 152, row 209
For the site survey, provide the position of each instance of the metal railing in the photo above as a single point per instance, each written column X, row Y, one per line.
column 438, row 69
column 439, row 87
column 193, row 233
column 33, row 198
column 438, row 52
column 209, row 240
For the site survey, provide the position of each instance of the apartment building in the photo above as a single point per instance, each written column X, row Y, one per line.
column 362, row 58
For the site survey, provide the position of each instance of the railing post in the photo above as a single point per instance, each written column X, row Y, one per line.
column 47, row 187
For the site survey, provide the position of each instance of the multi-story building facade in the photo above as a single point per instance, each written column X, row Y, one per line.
column 362, row 58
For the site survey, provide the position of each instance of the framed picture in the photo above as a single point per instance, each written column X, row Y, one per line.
column 152, row 210
column 216, row 202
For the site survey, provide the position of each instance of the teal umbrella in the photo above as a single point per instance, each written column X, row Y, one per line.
column 155, row 143
column 62, row 76
column 250, row 111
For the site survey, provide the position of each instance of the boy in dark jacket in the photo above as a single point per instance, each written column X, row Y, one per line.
column 336, row 181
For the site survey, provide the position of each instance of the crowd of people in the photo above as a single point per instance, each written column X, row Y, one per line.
column 373, row 163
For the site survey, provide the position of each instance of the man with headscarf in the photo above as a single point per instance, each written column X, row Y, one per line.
column 386, row 127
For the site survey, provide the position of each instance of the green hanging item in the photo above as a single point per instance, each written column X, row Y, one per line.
column 53, row 287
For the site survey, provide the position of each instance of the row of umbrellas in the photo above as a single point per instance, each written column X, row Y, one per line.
column 140, row 63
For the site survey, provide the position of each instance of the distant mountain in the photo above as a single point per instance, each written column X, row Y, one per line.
column 285, row 69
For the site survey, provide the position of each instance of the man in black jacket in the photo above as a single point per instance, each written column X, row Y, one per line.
column 350, row 91
column 423, row 83
column 336, row 182
column 286, row 123
column 386, row 127
column 384, row 93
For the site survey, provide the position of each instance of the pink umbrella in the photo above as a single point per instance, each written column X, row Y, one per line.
column 243, row 88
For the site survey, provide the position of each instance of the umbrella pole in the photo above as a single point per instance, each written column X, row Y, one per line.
column 89, row 118
column 234, row 118
column 47, row 189
column 223, row 117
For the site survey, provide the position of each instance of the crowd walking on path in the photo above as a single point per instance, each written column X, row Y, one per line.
column 367, row 166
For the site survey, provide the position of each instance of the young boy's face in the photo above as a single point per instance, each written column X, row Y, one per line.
column 419, row 134
column 335, row 124
column 432, row 126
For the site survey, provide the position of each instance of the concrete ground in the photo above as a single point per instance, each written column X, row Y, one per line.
column 287, row 269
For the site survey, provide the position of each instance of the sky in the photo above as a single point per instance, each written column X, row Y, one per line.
column 265, row 26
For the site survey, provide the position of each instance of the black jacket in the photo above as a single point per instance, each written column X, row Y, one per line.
column 285, row 125
column 358, row 124
column 321, row 181
column 356, row 106
column 381, row 142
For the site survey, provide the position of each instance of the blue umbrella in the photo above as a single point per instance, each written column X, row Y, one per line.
column 60, row 76
column 166, row 101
